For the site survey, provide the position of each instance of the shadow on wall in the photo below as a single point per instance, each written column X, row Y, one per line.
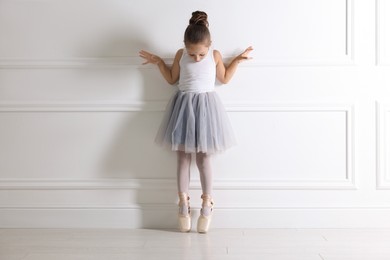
column 132, row 154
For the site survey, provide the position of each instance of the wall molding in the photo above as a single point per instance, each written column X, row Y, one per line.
column 166, row 217
column 73, row 63
column 173, row 206
column 382, row 161
column 170, row 184
column 135, row 62
column 158, row 106
column 102, row 106
column 380, row 59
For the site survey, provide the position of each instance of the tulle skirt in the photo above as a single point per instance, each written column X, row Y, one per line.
column 195, row 122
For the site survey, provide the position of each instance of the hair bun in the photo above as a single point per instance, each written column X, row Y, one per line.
column 199, row 18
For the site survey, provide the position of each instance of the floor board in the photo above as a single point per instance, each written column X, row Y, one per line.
column 227, row 244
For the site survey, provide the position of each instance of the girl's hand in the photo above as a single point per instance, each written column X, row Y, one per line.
column 149, row 57
column 244, row 55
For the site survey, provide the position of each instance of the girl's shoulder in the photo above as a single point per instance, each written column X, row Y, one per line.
column 217, row 56
column 216, row 52
column 179, row 53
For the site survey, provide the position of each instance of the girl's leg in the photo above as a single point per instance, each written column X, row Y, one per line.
column 183, row 171
column 183, row 182
column 183, row 177
column 203, row 161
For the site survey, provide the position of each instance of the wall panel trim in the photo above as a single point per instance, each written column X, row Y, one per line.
column 158, row 106
column 165, row 217
column 133, row 61
column 382, row 160
column 379, row 29
column 170, row 184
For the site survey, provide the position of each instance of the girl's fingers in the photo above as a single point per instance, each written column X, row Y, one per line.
column 245, row 54
column 149, row 57
column 144, row 53
column 249, row 49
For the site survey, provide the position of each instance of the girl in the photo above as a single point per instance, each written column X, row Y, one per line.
column 195, row 119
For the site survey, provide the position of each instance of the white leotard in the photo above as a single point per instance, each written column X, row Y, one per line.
column 197, row 76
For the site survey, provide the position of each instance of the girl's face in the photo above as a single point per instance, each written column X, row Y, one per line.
column 197, row 51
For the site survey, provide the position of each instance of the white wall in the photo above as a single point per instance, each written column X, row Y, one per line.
column 78, row 113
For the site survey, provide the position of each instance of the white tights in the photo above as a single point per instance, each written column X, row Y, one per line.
column 203, row 162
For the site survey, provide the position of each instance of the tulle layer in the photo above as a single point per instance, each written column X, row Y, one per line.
column 196, row 122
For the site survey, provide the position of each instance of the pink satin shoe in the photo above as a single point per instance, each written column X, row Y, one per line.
column 184, row 217
column 205, row 220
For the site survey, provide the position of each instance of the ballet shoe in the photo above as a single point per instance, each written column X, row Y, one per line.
column 184, row 217
column 205, row 221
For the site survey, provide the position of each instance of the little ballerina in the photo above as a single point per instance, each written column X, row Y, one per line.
column 195, row 120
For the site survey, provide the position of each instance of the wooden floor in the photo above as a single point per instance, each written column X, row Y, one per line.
column 145, row 244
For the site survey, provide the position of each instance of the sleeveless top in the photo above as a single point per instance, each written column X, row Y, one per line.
column 197, row 76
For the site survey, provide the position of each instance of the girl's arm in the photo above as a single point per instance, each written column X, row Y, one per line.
column 171, row 75
column 224, row 74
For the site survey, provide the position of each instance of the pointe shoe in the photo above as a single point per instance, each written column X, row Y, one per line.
column 204, row 221
column 184, row 218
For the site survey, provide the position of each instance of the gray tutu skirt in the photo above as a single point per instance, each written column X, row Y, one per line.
column 195, row 122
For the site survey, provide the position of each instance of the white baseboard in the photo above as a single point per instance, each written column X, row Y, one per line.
column 165, row 217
